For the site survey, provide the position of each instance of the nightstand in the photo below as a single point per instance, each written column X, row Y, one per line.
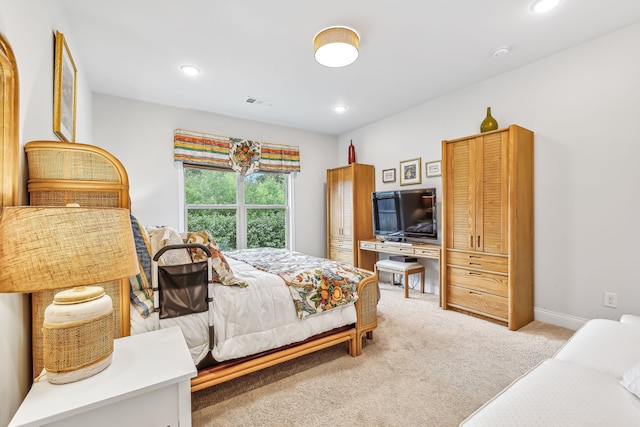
column 147, row 384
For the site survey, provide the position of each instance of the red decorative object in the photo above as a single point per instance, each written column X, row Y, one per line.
column 352, row 153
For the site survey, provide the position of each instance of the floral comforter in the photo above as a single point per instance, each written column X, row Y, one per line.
column 316, row 284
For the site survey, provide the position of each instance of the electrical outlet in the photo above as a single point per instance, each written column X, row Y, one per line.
column 610, row 300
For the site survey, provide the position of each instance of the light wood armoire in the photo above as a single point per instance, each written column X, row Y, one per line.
column 349, row 217
column 487, row 256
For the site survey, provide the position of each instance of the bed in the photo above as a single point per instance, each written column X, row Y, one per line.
column 238, row 348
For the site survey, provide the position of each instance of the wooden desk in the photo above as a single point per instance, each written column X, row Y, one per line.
column 147, row 383
column 418, row 250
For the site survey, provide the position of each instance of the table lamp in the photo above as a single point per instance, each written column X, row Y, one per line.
column 44, row 248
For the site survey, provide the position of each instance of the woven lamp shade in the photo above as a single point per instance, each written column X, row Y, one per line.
column 44, row 248
column 49, row 248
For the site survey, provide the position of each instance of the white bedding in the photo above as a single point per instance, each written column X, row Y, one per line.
column 248, row 320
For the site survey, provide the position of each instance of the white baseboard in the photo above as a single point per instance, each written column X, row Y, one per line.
column 558, row 319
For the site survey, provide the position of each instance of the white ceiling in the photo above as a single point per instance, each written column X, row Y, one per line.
column 411, row 51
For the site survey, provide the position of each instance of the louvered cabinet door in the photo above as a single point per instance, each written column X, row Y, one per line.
column 460, row 197
column 340, row 202
column 492, row 204
column 347, row 204
column 335, row 202
column 477, row 194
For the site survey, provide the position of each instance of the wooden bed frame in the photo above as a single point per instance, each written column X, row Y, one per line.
column 61, row 173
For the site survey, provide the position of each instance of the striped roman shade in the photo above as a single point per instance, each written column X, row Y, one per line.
column 279, row 158
column 214, row 150
column 201, row 148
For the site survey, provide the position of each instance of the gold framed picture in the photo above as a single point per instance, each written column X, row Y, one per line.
column 64, row 91
column 433, row 169
column 411, row 171
column 389, row 175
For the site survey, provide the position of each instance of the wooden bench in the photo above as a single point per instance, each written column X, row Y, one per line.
column 404, row 268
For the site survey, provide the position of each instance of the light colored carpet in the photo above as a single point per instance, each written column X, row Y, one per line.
column 425, row 367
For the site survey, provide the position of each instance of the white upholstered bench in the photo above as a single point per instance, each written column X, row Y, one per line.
column 404, row 268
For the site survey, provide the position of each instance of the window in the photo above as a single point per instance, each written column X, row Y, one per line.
column 239, row 211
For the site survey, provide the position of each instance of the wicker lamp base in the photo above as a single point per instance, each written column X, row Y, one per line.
column 77, row 334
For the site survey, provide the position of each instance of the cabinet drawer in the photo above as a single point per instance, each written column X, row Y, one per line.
column 393, row 249
column 341, row 244
column 477, row 280
column 478, row 261
column 368, row 245
column 478, row 302
column 427, row 252
column 342, row 256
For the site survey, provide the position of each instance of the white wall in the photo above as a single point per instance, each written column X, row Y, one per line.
column 583, row 105
column 29, row 27
column 140, row 135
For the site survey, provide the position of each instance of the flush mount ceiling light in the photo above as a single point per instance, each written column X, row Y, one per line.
column 540, row 6
column 336, row 46
column 190, row 70
column 340, row 108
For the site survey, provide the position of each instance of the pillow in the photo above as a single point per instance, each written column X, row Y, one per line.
column 221, row 270
column 631, row 379
column 159, row 237
column 202, row 237
column 140, row 292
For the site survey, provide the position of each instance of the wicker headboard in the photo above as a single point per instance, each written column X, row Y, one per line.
column 61, row 173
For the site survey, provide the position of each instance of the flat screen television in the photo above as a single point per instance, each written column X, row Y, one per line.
column 405, row 215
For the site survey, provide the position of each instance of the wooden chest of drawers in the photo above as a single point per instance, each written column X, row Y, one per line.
column 479, row 284
column 342, row 250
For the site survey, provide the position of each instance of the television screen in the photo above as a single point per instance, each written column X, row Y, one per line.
column 386, row 213
column 405, row 215
column 418, row 212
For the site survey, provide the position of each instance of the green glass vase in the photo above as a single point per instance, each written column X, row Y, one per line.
column 489, row 123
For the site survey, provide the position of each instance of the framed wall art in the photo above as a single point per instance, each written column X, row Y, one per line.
column 410, row 171
column 64, row 91
column 433, row 169
column 389, row 175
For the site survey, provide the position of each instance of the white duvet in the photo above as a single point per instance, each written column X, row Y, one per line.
column 247, row 320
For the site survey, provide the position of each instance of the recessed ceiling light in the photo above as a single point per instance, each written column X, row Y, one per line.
column 501, row 51
column 340, row 108
column 540, row 6
column 190, row 70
